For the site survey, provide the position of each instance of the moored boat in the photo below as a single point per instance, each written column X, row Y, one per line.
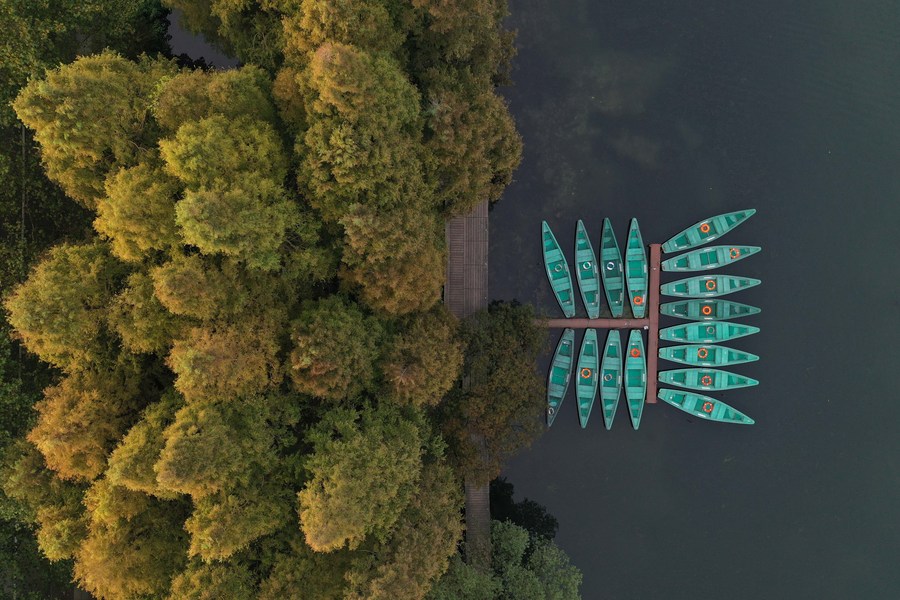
column 560, row 373
column 706, row 286
column 586, row 375
column 586, row 267
column 611, row 270
column 704, row 259
column 706, row 355
column 611, row 377
column 707, row 230
column 636, row 271
column 557, row 269
column 707, row 309
column 635, row 377
column 705, row 379
column 704, row 407
column 706, row 332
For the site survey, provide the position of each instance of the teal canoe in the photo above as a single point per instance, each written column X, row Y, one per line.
column 611, row 379
column 588, row 277
column 586, row 375
column 706, row 355
column 611, row 270
column 558, row 271
column 635, row 377
column 560, row 373
column 707, row 286
column 705, row 380
column 707, row 310
column 704, row 407
column 707, row 230
column 706, row 332
column 713, row 257
column 636, row 271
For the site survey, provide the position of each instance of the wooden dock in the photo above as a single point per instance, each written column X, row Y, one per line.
column 650, row 324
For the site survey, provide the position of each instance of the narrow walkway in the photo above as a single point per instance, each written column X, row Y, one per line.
column 466, row 292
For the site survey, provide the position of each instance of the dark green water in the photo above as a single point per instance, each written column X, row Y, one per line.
column 671, row 112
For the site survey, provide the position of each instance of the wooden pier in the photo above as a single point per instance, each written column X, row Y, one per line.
column 650, row 324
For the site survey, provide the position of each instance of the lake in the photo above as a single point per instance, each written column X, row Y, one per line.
column 671, row 112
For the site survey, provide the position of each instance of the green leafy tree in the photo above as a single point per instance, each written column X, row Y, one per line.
column 194, row 286
column 141, row 321
column 335, row 349
column 299, row 573
column 364, row 24
column 213, row 581
column 498, row 412
column 364, row 468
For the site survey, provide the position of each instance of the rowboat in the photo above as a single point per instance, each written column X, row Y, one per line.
column 707, row 230
column 706, row 380
column 636, row 270
column 588, row 277
column 611, row 379
column 635, row 377
column 700, row 355
column 706, row 332
column 560, row 373
column 588, row 363
column 706, row 286
column 611, row 259
column 704, row 407
column 713, row 257
column 558, row 271
column 707, row 310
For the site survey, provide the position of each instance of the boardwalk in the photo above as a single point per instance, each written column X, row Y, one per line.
column 466, row 292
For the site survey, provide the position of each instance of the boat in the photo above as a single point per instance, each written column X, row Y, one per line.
column 707, row 310
column 588, row 277
column 636, row 271
column 611, row 378
column 706, row 332
column 611, row 271
column 707, row 230
column 708, row 355
column 704, row 407
column 707, row 286
column 560, row 373
column 635, row 377
column 588, row 363
column 704, row 379
column 558, row 271
column 704, row 259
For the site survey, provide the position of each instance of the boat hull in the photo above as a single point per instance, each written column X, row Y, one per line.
column 707, row 309
column 635, row 377
column 704, row 259
column 706, row 332
column 636, row 275
column 611, row 271
column 704, row 407
column 557, row 269
column 611, row 377
column 586, row 374
column 586, row 266
column 705, row 231
column 706, row 355
column 560, row 374
column 705, row 379
column 708, row 286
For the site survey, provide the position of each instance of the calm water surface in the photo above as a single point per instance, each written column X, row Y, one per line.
column 671, row 112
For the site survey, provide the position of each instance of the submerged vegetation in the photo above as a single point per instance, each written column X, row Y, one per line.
column 244, row 382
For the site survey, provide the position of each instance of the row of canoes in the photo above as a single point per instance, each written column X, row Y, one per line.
column 599, row 372
column 611, row 273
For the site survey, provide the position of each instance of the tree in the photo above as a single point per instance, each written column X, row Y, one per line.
column 91, row 116
column 527, row 513
column 195, row 286
column 215, row 581
column 424, row 359
column 299, row 573
column 141, row 321
column 335, row 349
column 498, row 412
column 364, row 468
column 60, row 311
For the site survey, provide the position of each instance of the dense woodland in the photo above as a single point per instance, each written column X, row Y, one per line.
column 226, row 369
